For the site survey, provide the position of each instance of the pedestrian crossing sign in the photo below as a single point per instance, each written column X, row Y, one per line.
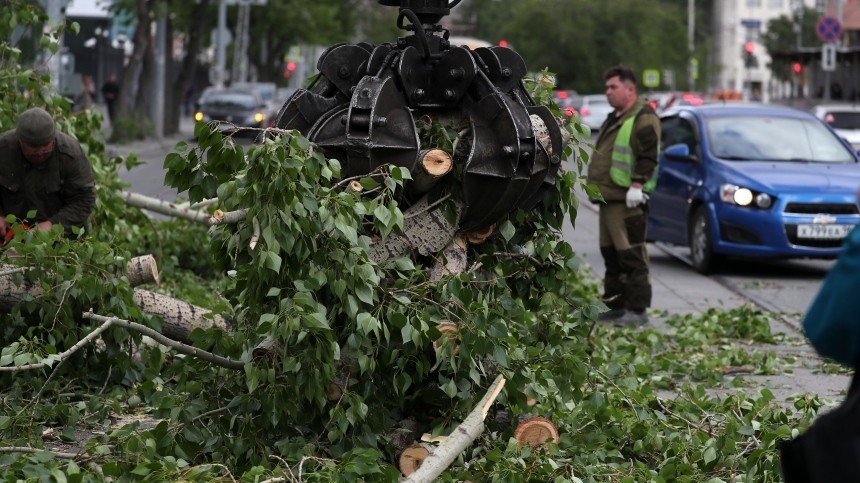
column 651, row 78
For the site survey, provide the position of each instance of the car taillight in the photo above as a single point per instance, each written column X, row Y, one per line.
column 584, row 111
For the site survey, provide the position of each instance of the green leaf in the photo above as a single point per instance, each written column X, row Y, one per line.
column 709, row 455
column 507, row 230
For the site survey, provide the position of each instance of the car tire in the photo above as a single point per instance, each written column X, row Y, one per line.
column 702, row 255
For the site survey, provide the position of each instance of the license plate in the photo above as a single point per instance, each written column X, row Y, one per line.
column 823, row 232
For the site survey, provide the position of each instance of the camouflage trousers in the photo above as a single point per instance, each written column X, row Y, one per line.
column 627, row 283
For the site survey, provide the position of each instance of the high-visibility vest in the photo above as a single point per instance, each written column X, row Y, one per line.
column 623, row 157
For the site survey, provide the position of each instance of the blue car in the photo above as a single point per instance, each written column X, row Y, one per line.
column 752, row 181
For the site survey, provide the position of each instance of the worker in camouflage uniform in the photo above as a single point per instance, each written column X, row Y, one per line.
column 623, row 167
column 45, row 171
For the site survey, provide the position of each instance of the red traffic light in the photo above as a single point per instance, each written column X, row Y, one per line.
column 749, row 47
column 796, row 67
column 291, row 66
column 503, row 43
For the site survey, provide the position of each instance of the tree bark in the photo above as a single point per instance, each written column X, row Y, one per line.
column 180, row 317
column 141, row 270
column 162, row 207
column 452, row 260
column 189, row 63
column 141, row 41
column 424, row 230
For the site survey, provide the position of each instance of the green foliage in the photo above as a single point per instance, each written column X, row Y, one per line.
column 585, row 37
column 630, row 405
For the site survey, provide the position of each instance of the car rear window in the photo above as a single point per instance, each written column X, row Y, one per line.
column 843, row 120
column 225, row 99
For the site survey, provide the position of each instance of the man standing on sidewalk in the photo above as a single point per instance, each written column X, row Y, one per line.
column 623, row 167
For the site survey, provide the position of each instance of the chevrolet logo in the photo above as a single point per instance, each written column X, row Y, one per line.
column 824, row 219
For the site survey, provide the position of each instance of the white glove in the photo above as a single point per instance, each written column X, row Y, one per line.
column 635, row 197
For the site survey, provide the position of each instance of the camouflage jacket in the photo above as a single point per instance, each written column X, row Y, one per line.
column 62, row 190
column 644, row 142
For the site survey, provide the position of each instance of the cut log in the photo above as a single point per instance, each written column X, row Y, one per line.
column 354, row 185
column 266, row 349
column 223, row 217
column 463, row 435
column 425, row 231
column 180, row 317
column 452, row 260
column 433, row 165
column 141, row 270
column 541, row 133
column 536, row 431
column 412, row 457
column 478, row 237
column 162, row 207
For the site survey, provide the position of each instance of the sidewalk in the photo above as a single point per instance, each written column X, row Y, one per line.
column 678, row 289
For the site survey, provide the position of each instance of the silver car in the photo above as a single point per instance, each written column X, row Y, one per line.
column 593, row 111
column 843, row 118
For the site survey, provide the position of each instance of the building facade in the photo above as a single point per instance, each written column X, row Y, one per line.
column 738, row 25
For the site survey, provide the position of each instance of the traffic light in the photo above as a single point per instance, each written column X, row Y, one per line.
column 503, row 43
column 750, row 60
column 796, row 67
column 289, row 68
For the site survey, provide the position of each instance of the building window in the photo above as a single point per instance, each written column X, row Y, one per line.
column 774, row 4
column 753, row 3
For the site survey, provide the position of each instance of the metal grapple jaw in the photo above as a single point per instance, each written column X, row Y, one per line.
column 362, row 108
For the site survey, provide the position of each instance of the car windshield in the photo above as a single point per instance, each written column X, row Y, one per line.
column 750, row 138
column 230, row 99
column 843, row 120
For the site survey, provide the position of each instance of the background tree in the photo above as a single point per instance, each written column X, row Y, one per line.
column 587, row 36
column 780, row 38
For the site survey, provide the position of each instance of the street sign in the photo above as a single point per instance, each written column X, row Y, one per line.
column 829, row 29
column 828, row 57
column 651, row 78
column 227, row 37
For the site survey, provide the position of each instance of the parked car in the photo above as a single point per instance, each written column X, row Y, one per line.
column 752, row 180
column 843, row 118
column 593, row 111
column 235, row 108
column 268, row 91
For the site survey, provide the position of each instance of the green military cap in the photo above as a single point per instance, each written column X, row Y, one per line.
column 36, row 127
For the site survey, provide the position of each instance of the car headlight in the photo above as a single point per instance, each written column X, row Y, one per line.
column 256, row 118
column 737, row 195
column 198, row 116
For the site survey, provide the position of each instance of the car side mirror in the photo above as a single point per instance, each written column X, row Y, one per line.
column 679, row 152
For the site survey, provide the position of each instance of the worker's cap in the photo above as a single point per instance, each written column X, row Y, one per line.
column 36, row 127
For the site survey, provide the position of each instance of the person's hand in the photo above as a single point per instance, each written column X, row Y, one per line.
column 635, row 197
column 45, row 225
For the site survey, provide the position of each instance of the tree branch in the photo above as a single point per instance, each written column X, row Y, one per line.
column 462, row 436
column 186, row 349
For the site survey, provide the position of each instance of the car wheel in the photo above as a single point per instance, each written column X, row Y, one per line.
column 701, row 245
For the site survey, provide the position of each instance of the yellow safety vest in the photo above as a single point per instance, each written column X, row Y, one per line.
column 623, row 157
